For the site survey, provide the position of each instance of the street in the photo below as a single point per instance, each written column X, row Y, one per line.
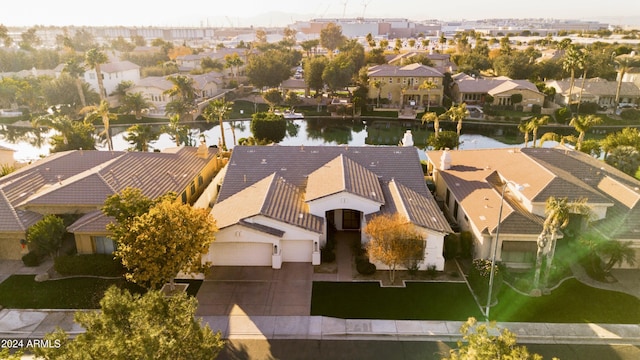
column 238, row 349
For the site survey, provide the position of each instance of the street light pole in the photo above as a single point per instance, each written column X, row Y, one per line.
column 495, row 248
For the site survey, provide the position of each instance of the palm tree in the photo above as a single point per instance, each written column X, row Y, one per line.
column 525, row 128
column 94, row 58
column 616, row 252
column 583, row 65
column 136, row 103
column 219, row 109
column 183, row 94
column 573, row 58
column 101, row 112
column 429, row 117
column 233, row 61
column 378, row 84
column 70, row 134
column 623, row 64
column 141, row 135
column 582, row 124
column 177, row 132
column 457, row 113
column 535, row 124
column 428, row 85
column 562, row 139
column 557, row 213
column 76, row 71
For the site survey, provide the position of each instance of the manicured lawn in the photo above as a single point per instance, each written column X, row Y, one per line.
column 572, row 302
column 22, row 292
column 418, row 301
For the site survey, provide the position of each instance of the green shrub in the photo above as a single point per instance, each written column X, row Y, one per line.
column 93, row 265
column 466, row 244
column 589, row 108
column 327, row 255
column 479, row 279
column 365, row 267
column 451, row 246
column 31, row 259
column 630, row 114
column 536, row 109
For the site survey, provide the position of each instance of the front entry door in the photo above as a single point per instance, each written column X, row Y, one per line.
column 350, row 219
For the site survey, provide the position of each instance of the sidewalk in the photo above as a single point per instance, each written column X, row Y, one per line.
column 34, row 324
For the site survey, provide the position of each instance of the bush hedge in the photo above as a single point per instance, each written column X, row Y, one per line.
column 93, row 265
column 364, row 267
column 31, row 259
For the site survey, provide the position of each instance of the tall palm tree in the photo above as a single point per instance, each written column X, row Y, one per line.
column 557, row 211
column 94, row 58
column 70, row 134
column 583, row 66
column 136, row 103
column 177, row 132
column 432, row 117
column 457, row 113
column 525, row 128
column 76, row 71
column 428, row 85
column 218, row 109
column 140, row 136
column 378, row 84
column 573, row 58
column 582, row 124
column 535, row 124
column 623, row 63
column 101, row 112
column 233, row 61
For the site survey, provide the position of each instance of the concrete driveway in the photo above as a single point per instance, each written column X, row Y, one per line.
column 257, row 291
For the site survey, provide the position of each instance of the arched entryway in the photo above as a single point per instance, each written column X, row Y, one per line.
column 344, row 219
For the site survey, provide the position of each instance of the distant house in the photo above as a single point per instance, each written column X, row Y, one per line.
column 401, row 85
column 113, row 73
column 474, row 91
column 441, row 62
column 278, row 203
column 193, row 61
column 153, row 87
column 469, row 183
column 595, row 90
column 78, row 182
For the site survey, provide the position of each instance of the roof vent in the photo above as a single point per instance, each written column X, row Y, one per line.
column 264, row 161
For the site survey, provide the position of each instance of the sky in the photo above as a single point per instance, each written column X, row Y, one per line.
column 248, row 12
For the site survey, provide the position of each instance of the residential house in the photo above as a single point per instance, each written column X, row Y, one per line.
column 153, row 88
column 401, row 85
column 475, row 91
column 469, row 184
column 77, row 183
column 113, row 73
column 441, row 62
column 278, row 203
column 192, row 61
column 595, row 90
column 6, row 156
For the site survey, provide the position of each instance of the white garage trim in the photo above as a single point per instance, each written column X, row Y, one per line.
column 240, row 254
column 296, row 250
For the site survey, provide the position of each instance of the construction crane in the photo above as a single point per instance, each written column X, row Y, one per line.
column 364, row 7
column 344, row 8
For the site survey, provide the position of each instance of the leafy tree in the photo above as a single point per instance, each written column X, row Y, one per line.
column 480, row 342
column 516, row 65
column 292, row 99
column 70, row 134
column 135, row 103
column 444, row 140
column 375, row 56
column 218, row 109
column 4, row 36
column 30, row 39
column 313, row 69
column 47, row 235
column 626, row 136
column 94, row 58
column 338, row 72
column 268, row 127
column 269, row 68
column 331, row 37
column 624, row 158
column 101, row 112
column 140, row 136
column 394, row 241
column 156, row 245
column 208, row 64
column 273, row 97
column 582, row 124
column 591, row 147
column 122, row 45
column 149, row 326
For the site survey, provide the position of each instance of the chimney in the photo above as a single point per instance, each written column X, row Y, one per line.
column 203, row 151
column 445, row 160
column 407, row 140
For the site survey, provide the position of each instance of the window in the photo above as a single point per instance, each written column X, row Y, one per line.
column 184, row 197
column 103, row 245
column 193, row 188
column 92, row 76
column 390, row 80
column 200, row 180
column 447, row 197
column 519, row 251
column 455, row 210
column 350, row 219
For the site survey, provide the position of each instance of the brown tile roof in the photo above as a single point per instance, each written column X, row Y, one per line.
column 92, row 223
column 343, row 174
column 118, row 66
column 419, row 209
column 414, row 70
column 596, row 86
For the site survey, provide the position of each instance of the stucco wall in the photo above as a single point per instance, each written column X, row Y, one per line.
column 10, row 248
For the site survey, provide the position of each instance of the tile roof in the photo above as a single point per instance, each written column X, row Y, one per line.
column 492, row 86
column 92, row 222
column 415, row 70
column 275, row 181
column 596, row 86
column 118, row 66
column 343, row 174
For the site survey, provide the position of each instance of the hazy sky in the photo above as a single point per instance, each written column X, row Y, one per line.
column 243, row 12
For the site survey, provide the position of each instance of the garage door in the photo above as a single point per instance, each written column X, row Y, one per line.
column 238, row 254
column 296, row 250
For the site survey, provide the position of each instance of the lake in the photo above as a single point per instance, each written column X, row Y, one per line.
column 317, row 131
